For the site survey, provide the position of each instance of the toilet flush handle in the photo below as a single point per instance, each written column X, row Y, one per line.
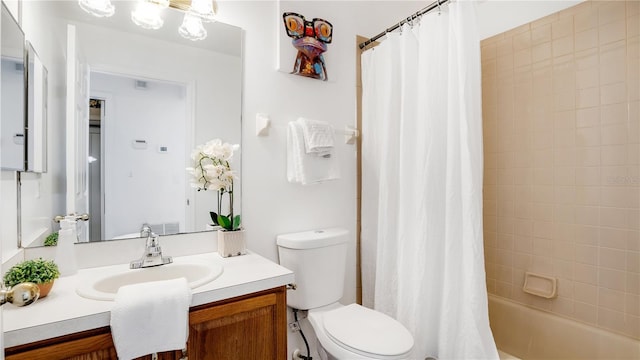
column 292, row 286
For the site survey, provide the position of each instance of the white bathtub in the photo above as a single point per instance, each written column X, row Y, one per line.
column 528, row 333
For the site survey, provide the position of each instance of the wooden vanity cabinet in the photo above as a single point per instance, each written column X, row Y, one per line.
column 252, row 326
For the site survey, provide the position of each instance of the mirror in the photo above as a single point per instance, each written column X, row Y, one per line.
column 37, row 93
column 12, row 95
column 136, row 164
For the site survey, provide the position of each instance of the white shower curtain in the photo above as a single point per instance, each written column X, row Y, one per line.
column 422, row 245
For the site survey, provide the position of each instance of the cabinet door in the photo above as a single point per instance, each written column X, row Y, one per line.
column 249, row 328
column 93, row 347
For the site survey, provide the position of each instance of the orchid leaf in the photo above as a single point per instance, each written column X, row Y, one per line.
column 236, row 222
column 224, row 222
column 214, row 218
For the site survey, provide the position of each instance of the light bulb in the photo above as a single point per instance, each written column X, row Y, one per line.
column 99, row 8
column 147, row 15
column 192, row 28
column 205, row 9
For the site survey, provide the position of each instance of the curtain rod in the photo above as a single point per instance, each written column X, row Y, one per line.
column 434, row 5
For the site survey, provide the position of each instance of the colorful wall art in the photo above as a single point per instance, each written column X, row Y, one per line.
column 310, row 38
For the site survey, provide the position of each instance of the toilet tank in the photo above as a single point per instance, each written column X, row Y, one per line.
column 318, row 260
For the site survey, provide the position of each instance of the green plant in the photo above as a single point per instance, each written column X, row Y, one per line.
column 37, row 271
column 51, row 240
column 212, row 171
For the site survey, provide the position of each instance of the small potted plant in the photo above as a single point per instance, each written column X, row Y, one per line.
column 52, row 239
column 38, row 271
column 212, row 171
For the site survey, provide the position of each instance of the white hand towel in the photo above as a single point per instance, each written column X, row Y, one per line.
column 151, row 317
column 318, row 136
column 307, row 168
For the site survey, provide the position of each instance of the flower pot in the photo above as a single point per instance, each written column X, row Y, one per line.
column 45, row 288
column 231, row 243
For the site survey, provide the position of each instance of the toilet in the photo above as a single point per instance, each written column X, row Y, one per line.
column 318, row 259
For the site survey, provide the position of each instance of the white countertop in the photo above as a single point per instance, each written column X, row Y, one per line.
column 64, row 312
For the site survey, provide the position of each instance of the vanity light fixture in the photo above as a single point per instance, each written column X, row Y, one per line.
column 147, row 14
column 99, row 8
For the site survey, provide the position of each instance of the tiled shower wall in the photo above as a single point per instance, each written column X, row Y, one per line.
column 562, row 186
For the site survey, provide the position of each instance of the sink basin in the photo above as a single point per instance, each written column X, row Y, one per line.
column 105, row 286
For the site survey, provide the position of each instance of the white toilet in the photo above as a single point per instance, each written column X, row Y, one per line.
column 318, row 259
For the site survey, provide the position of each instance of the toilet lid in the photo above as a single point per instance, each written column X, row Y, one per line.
column 367, row 332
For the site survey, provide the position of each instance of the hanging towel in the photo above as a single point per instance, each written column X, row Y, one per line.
column 318, row 136
column 304, row 168
column 151, row 317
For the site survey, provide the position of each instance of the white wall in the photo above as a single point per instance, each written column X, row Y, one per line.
column 142, row 185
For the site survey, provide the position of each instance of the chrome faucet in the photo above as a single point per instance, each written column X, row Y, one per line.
column 152, row 255
column 145, row 231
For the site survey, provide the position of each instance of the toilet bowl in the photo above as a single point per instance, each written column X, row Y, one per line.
column 351, row 332
column 356, row 333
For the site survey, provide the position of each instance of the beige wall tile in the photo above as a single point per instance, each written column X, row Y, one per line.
column 588, row 176
column 612, row 279
column 562, row 46
column 587, row 78
column 632, row 304
column 587, row 156
column 633, row 261
column 585, row 293
column 613, row 217
column 588, row 234
column 564, row 176
column 586, row 215
column 586, row 312
column 633, row 8
column 614, row 113
column 613, row 238
column 522, row 41
column 613, row 93
column 585, row 20
column 584, row 273
column 588, row 117
column 586, row 254
column 587, row 59
column 589, row 136
column 611, row 299
column 613, row 155
column 612, row 259
column 541, row 52
column 588, row 97
column 633, row 283
column 588, row 195
column 611, row 11
column 612, row 32
column 587, row 39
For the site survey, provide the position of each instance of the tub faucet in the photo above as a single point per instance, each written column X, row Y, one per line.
column 152, row 255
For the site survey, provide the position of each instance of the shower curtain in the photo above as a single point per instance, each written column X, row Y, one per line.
column 422, row 245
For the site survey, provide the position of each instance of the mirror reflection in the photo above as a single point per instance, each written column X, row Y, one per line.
column 152, row 97
column 12, row 95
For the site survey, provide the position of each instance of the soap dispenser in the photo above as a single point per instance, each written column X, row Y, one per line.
column 66, row 250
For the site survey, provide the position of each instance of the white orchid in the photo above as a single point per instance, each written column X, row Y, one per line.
column 212, row 171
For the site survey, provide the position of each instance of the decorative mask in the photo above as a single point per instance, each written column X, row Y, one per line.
column 311, row 39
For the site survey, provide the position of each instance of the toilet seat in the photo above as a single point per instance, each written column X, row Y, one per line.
column 367, row 332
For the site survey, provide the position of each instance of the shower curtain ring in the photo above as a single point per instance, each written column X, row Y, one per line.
column 439, row 9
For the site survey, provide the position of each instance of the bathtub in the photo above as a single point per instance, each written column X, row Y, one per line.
column 528, row 333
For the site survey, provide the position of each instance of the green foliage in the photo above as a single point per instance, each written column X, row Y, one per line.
column 37, row 271
column 225, row 221
column 51, row 240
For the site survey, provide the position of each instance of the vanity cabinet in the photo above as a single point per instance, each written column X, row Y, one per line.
column 252, row 326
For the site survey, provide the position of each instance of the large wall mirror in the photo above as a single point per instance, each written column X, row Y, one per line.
column 13, row 94
column 151, row 97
